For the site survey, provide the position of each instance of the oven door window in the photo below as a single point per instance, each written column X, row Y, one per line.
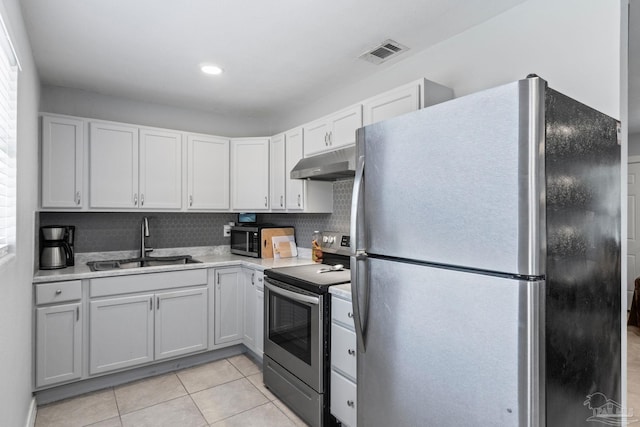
column 290, row 326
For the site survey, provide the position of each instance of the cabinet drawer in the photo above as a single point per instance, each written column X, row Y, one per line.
column 343, row 399
column 49, row 293
column 343, row 350
column 342, row 311
column 150, row 282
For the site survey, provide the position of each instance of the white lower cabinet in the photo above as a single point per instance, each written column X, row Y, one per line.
column 121, row 333
column 181, row 322
column 166, row 317
column 58, row 319
column 58, row 344
column 229, row 297
column 343, row 362
column 253, row 324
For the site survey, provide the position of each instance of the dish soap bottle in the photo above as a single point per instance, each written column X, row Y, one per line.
column 316, row 249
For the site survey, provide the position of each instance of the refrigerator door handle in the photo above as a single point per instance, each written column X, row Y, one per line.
column 359, row 288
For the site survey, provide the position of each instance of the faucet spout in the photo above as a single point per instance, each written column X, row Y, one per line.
column 144, row 233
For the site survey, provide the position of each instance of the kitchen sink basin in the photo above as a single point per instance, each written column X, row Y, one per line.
column 119, row 264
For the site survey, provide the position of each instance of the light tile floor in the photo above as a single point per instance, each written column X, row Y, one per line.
column 225, row 393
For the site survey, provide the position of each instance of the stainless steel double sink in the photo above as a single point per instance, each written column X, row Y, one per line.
column 117, row 264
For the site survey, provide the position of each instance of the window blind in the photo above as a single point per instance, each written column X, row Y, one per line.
column 8, row 118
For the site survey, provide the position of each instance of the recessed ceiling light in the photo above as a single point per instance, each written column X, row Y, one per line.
column 211, row 69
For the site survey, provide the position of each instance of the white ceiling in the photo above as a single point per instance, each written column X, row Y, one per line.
column 277, row 54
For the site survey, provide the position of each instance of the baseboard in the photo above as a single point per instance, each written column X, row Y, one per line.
column 31, row 416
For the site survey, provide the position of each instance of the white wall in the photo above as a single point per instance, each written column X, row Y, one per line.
column 83, row 103
column 573, row 44
column 15, row 277
column 634, row 144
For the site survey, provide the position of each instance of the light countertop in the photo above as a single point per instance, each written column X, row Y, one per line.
column 210, row 257
column 341, row 291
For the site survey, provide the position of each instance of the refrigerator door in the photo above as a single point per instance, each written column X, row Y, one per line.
column 449, row 348
column 459, row 183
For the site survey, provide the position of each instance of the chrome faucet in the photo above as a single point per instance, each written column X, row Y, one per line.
column 144, row 232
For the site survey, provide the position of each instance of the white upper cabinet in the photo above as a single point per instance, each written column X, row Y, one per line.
column 207, row 172
column 295, row 187
column 334, row 131
column 160, row 169
column 250, row 174
column 62, row 161
column 134, row 168
column 113, row 166
column 404, row 99
column 277, row 172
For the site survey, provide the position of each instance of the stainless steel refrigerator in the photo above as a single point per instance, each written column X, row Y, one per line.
column 486, row 262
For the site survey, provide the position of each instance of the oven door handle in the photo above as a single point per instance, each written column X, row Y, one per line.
column 293, row 295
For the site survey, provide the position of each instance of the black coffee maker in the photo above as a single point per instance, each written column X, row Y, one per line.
column 56, row 246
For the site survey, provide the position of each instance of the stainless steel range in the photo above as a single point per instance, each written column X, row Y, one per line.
column 297, row 326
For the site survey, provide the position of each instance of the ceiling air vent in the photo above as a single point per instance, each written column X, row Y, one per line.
column 386, row 50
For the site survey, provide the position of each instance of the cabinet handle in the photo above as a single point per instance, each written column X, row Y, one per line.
column 351, row 352
column 78, row 198
column 150, row 303
column 351, row 403
column 325, row 138
column 135, row 199
column 58, row 292
column 350, row 315
column 158, row 304
column 265, row 201
column 218, row 279
column 331, row 138
column 253, row 276
column 281, row 197
column 299, row 200
column 190, row 200
column 77, row 314
column 141, row 199
column 259, row 279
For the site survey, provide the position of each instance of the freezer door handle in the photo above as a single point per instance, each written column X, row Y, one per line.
column 357, row 238
column 360, row 297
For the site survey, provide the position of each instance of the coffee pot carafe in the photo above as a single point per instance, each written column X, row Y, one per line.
column 56, row 246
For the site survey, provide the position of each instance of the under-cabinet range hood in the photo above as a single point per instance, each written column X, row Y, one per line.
column 331, row 166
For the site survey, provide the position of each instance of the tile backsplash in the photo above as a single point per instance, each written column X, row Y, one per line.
column 118, row 231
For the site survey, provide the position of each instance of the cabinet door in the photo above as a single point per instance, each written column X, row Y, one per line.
column 344, row 125
column 58, row 344
column 259, row 313
column 113, row 166
column 121, row 333
column 160, row 169
column 228, row 315
column 181, row 323
column 249, row 323
column 207, row 172
column 250, row 174
column 295, row 187
column 391, row 104
column 277, row 172
column 62, row 160
column 316, row 137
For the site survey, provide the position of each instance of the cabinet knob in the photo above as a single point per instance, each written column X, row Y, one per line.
column 351, row 352
column 351, row 403
column 58, row 291
column 350, row 315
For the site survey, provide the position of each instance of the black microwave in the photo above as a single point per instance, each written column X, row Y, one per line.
column 256, row 240
column 245, row 240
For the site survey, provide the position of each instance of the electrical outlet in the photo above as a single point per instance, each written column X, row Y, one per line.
column 226, row 231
